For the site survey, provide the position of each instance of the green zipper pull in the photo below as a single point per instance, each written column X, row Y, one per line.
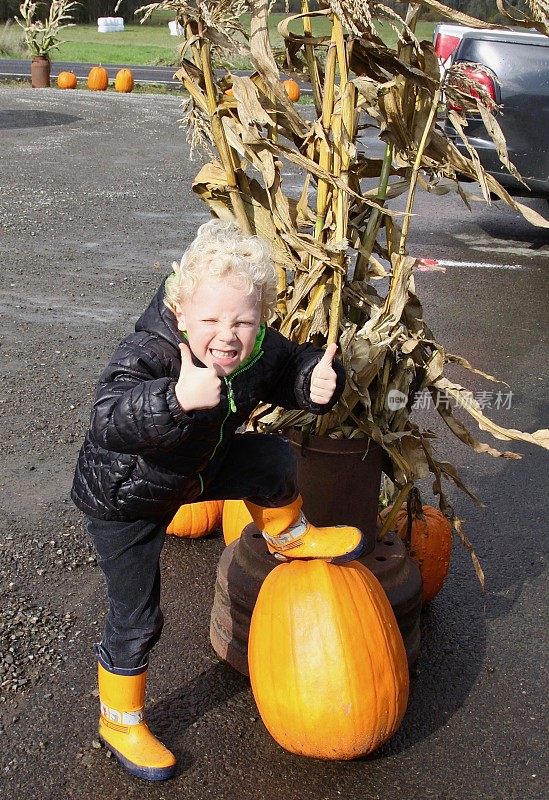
column 230, row 396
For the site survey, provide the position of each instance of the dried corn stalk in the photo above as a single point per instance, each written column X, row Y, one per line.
column 335, row 237
column 41, row 38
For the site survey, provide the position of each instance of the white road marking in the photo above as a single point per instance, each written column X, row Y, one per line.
column 440, row 264
column 444, row 262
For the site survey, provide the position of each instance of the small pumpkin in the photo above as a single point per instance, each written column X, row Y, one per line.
column 327, row 662
column 123, row 81
column 292, row 89
column 194, row 520
column 235, row 518
column 429, row 542
column 67, row 80
column 98, row 79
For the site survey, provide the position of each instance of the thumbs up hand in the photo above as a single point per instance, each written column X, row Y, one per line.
column 197, row 387
column 324, row 378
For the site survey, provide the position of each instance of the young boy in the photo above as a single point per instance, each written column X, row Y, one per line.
column 163, row 432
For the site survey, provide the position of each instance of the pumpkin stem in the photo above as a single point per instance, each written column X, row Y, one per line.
column 415, row 511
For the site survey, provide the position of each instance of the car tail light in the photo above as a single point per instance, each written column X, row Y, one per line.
column 481, row 77
column 445, row 45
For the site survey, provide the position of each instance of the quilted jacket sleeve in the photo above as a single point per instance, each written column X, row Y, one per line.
column 293, row 387
column 135, row 409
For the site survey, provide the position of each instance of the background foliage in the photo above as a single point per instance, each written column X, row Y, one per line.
column 92, row 9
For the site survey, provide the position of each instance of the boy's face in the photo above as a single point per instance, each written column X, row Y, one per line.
column 222, row 322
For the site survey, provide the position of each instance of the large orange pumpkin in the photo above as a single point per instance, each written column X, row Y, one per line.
column 326, row 658
column 98, row 79
column 292, row 89
column 123, row 81
column 67, row 80
column 194, row 520
column 235, row 518
column 430, row 542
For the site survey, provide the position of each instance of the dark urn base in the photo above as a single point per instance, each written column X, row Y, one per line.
column 245, row 563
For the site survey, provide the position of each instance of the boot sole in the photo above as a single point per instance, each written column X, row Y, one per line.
column 354, row 554
column 343, row 559
column 146, row 773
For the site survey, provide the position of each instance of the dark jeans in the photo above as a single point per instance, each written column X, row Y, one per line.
column 258, row 467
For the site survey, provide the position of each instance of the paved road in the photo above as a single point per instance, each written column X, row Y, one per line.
column 94, row 205
column 21, row 69
column 158, row 75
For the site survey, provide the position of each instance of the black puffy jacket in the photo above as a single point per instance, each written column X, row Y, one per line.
column 143, row 455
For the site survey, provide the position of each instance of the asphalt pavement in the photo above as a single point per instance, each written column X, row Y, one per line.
column 95, row 204
column 20, row 68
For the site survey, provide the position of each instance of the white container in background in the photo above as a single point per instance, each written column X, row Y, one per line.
column 175, row 28
column 110, row 24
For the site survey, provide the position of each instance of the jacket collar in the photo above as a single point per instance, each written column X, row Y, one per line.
column 158, row 318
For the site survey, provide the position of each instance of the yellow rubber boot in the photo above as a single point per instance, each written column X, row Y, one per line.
column 290, row 535
column 121, row 725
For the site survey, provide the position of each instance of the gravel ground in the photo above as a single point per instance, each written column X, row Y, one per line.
column 86, row 237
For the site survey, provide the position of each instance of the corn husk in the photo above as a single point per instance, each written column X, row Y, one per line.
column 335, row 237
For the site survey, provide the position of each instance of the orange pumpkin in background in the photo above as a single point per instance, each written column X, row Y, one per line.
column 194, row 520
column 292, row 89
column 67, row 80
column 429, row 542
column 123, row 81
column 235, row 518
column 327, row 662
column 98, row 79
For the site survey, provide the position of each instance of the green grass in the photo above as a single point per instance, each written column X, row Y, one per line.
column 146, row 88
column 136, row 44
column 151, row 43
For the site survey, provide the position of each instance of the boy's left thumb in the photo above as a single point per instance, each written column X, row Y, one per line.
column 329, row 354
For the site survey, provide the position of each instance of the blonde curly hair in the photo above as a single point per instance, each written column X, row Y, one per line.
column 221, row 250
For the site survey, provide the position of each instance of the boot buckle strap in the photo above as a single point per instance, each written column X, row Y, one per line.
column 292, row 537
column 121, row 717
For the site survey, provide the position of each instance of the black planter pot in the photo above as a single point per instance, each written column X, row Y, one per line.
column 339, row 481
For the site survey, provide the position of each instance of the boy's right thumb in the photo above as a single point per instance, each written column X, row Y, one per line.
column 186, row 356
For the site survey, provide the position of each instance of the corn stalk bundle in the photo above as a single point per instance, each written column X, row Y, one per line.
column 336, row 241
column 43, row 37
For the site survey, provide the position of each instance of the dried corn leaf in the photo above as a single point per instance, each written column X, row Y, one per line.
column 444, row 152
column 482, row 178
column 377, row 62
column 433, row 368
column 465, row 399
column 457, row 524
column 458, row 16
column 538, row 20
column 444, row 468
column 249, row 109
column 302, row 39
column 451, row 358
column 496, row 135
column 410, row 447
column 260, row 45
column 384, row 340
column 191, row 84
